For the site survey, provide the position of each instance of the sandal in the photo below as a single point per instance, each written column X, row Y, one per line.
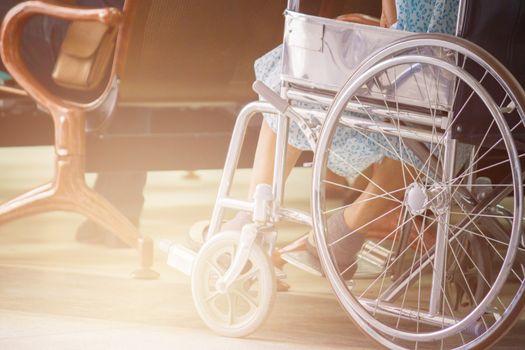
column 199, row 230
column 197, row 237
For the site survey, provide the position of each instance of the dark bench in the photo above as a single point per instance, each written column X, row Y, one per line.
column 189, row 60
column 175, row 83
column 178, row 55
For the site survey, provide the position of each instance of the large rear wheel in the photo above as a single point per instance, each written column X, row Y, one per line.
column 409, row 103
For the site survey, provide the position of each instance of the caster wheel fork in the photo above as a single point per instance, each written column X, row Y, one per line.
column 239, row 308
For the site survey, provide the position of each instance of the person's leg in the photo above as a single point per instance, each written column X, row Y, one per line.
column 353, row 190
column 123, row 189
column 262, row 171
column 347, row 229
column 264, row 161
column 386, row 177
column 265, row 156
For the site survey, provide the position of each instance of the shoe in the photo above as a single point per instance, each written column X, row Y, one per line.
column 112, row 241
column 302, row 253
column 387, row 225
column 199, row 230
column 91, row 233
column 305, row 257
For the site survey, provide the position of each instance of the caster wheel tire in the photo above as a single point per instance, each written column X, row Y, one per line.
column 244, row 307
column 197, row 234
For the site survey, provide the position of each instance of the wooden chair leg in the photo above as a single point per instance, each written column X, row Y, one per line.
column 68, row 192
column 98, row 209
column 36, row 201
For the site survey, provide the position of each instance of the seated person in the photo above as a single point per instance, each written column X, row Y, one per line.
column 371, row 168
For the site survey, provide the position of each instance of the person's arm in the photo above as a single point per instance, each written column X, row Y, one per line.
column 359, row 18
column 388, row 16
column 388, row 13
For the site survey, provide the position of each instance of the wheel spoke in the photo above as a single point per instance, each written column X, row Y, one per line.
column 220, row 272
column 362, row 226
column 392, row 262
column 231, row 308
column 248, row 275
column 366, row 177
column 458, row 264
column 247, row 298
column 399, row 311
column 212, row 296
column 376, row 196
column 488, row 240
column 399, row 228
column 392, row 148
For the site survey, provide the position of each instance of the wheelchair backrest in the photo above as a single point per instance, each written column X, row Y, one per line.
column 498, row 27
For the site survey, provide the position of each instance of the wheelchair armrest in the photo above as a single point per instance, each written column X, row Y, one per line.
column 10, row 37
column 359, row 18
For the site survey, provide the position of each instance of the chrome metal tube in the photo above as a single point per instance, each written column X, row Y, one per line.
column 279, row 166
column 295, row 215
column 461, row 17
column 232, row 158
column 368, row 125
column 381, row 111
column 440, row 255
column 232, row 203
column 407, row 314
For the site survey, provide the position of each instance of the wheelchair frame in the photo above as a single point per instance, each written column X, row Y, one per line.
column 268, row 208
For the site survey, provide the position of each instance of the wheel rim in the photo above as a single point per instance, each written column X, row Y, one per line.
column 246, row 304
column 415, row 208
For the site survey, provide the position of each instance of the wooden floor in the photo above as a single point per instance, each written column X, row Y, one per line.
column 58, row 294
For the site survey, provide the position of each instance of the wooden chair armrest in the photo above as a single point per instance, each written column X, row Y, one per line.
column 13, row 90
column 359, row 18
column 11, row 33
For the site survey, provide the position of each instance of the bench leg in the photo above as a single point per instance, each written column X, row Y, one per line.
column 69, row 192
column 98, row 209
column 32, row 202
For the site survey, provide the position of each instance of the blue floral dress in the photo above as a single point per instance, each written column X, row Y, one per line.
column 354, row 151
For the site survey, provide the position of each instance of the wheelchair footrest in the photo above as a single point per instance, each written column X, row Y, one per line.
column 371, row 261
column 303, row 260
column 180, row 257
column 374, row 254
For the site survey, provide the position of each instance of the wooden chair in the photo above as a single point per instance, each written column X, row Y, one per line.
column 185, row 53
column 189, row 53
column 191, row 61
column 68, row 190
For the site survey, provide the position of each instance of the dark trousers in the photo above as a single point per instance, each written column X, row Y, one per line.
column 125, row 189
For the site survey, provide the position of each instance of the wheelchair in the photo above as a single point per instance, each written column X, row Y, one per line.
column 453, row 116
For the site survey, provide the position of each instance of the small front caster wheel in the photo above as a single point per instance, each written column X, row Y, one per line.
column 243, row 306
